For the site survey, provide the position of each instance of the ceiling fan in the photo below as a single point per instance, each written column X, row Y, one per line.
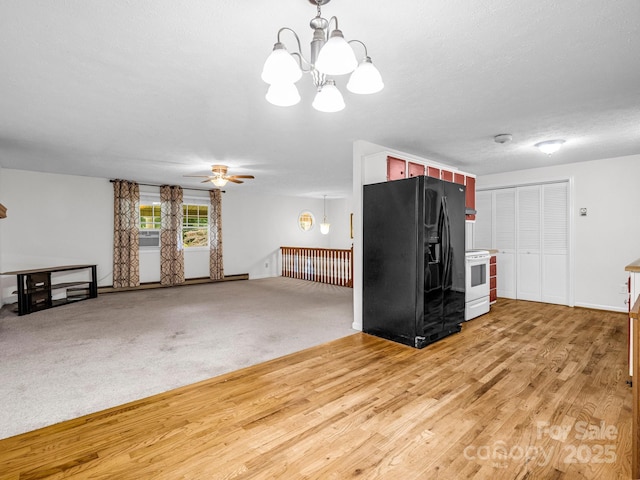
column 220, row 177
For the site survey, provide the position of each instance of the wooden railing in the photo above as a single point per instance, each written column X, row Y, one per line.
column 325, row 265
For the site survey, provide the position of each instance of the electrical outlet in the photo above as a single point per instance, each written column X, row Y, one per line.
column 623, row 288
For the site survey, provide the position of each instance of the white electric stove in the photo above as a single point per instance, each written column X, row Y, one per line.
column 477, row 283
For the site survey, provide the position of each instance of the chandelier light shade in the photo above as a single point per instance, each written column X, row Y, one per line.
column 366, row 79
column 330, row 55
column 283, row 94
column 281, row 67
column 336, row 56
column 549, row 146
column 328, row 99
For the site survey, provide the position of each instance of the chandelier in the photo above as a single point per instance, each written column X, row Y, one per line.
column 330, row 55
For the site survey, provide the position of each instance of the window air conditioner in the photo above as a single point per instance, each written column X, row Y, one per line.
column 149, row 238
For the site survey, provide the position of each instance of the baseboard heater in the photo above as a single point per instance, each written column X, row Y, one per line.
column 190, row 281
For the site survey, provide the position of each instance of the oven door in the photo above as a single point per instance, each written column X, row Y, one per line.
column 477, row 278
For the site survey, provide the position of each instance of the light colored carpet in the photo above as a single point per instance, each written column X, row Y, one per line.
column 84, row 357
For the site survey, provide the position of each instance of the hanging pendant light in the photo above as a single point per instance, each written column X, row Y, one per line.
column 330, row 54
column 324, row 226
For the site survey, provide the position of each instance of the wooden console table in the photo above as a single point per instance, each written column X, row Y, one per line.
column 35, row 287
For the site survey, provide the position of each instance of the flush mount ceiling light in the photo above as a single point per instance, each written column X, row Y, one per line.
column 330, row 54
column 549, row 146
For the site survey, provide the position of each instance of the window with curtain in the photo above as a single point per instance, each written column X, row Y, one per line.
column 195, row 223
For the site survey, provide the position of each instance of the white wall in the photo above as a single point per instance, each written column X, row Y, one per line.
column 339, row 212
column 256, row 226
column 65, row 219
column 606, row 240
column 1, row 224
column 55, row 220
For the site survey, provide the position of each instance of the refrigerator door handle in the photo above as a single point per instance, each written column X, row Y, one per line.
column 444, row 241
column 447, row 243
column 441, row 230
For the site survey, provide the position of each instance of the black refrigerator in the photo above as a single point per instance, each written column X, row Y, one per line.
column 413, row 260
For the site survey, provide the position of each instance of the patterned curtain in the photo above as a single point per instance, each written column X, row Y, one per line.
column 171, row 251
column 216, row 270
column 126, row 259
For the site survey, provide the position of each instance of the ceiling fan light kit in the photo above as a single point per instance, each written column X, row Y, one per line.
column 330, row 54
column 219, row 181
column 220, row 177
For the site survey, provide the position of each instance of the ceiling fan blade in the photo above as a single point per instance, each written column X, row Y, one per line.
column 206, row 181
column 241, row 176
column 231, row 179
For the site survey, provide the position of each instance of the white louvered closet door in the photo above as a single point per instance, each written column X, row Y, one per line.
column 528, row 243
column 504, row 208
column 483, row 227
column 555, row 243
column 529, row 226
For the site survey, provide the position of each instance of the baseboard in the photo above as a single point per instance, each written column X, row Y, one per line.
column 190, row 281
column 591, row 306
column 607, row 308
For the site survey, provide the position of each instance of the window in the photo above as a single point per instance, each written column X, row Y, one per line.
column 195, row 225
column 306, row 221
column 150, row 224
column 150, row 218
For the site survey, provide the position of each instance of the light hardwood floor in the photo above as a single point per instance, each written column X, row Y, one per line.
column 528, row 391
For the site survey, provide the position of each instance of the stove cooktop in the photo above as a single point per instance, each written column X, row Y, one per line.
column 470, row 253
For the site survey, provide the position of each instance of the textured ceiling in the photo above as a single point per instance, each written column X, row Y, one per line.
column 157, row 89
